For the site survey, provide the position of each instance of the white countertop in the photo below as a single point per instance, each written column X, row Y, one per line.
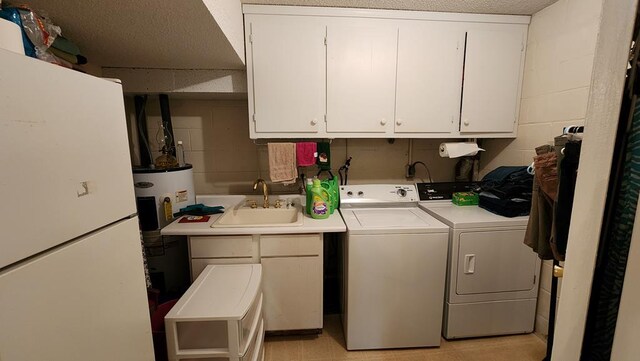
column 332, row 224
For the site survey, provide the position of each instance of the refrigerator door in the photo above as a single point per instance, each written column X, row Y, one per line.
column 65, row 162
column 85, row 300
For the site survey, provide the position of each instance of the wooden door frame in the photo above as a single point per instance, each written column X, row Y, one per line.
column 603, row 111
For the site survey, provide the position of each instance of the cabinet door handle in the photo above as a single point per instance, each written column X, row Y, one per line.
column 314, row 121
column 469, row 263
column 383, row 122
column 466, row 122
column 399, row 122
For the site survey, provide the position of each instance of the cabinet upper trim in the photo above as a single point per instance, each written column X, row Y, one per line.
column 383, row 14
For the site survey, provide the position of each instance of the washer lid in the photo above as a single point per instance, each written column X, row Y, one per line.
column 463, row 217
column 391, row 220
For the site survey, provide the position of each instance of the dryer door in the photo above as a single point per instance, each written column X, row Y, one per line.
column 494, row 261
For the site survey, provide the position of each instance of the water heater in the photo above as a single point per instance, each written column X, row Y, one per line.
column 162, row 192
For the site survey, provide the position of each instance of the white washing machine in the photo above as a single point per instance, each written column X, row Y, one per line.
column 492, row 277
column 394, row 269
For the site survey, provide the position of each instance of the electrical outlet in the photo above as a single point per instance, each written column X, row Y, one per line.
column 410, row 171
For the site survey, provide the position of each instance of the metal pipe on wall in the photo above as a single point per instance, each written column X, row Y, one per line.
column 165, row 112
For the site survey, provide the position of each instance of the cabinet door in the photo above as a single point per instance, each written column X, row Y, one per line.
column 429, row 80
column 292, row 288
column 286, row 73
column 493, row 68
column 361, row 70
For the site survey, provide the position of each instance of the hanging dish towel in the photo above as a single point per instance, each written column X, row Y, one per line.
column 324, row 156
column 306, row 153
column 282, row 162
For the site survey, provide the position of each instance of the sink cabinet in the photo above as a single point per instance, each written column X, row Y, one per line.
column 292, row 280
column 206, row 250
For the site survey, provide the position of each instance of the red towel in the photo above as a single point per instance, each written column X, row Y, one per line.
column 306, row 153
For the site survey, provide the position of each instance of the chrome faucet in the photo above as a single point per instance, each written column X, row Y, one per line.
column 265, row 192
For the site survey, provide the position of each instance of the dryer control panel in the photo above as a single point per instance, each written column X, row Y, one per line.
column 378, row 194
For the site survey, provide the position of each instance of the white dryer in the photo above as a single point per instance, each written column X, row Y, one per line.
column 492, row 277
column 394, row 269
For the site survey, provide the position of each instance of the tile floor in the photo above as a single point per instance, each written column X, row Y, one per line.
column 330, row 346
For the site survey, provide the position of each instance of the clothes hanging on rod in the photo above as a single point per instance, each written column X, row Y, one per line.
column 548, row 227
column 545, row 182
column 555, row 173
column 567, row 174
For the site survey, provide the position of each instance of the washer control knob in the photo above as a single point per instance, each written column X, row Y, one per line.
column 349, row 193
column 401, row 192
column 360, row 194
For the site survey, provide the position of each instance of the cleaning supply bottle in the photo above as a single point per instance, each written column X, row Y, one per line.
column 180, row 154
column 320, row 203
column 331, row 186
column 308, row 195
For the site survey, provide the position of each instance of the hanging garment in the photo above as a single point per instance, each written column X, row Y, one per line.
column 545, row 182
column 567, row 174
column 546, row 171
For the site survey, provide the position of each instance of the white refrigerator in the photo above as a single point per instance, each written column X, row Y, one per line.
column 72, row 283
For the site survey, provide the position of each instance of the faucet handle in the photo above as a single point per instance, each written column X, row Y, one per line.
column 278, row 203
column 252, row 204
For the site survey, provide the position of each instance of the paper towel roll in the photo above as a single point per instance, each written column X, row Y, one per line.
column 455, row 150
column 11, row 36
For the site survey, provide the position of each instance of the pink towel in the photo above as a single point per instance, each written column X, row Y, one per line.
column 306, row 153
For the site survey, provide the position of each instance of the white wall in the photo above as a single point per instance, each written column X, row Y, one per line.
column 216, row 139
column 557, row 78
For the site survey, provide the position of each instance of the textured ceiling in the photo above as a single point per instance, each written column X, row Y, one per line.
column 144, row 33
column 183, row 34
column 514, row 7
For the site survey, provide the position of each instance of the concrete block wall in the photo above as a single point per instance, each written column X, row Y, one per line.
column 557, row 78
column 215, row 135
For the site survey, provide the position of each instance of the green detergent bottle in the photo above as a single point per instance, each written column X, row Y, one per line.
column 307, row 203
column 332, row 187
column 320, row 201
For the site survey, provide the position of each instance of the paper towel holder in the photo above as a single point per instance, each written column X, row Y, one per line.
column 452, row 150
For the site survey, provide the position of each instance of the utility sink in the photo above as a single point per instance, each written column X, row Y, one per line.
column 260, row 217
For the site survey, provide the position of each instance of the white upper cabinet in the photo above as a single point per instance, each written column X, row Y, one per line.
column 494, row 61
column 361, row 70
column 286, row 74
column 360, row 73
column 429, row 77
